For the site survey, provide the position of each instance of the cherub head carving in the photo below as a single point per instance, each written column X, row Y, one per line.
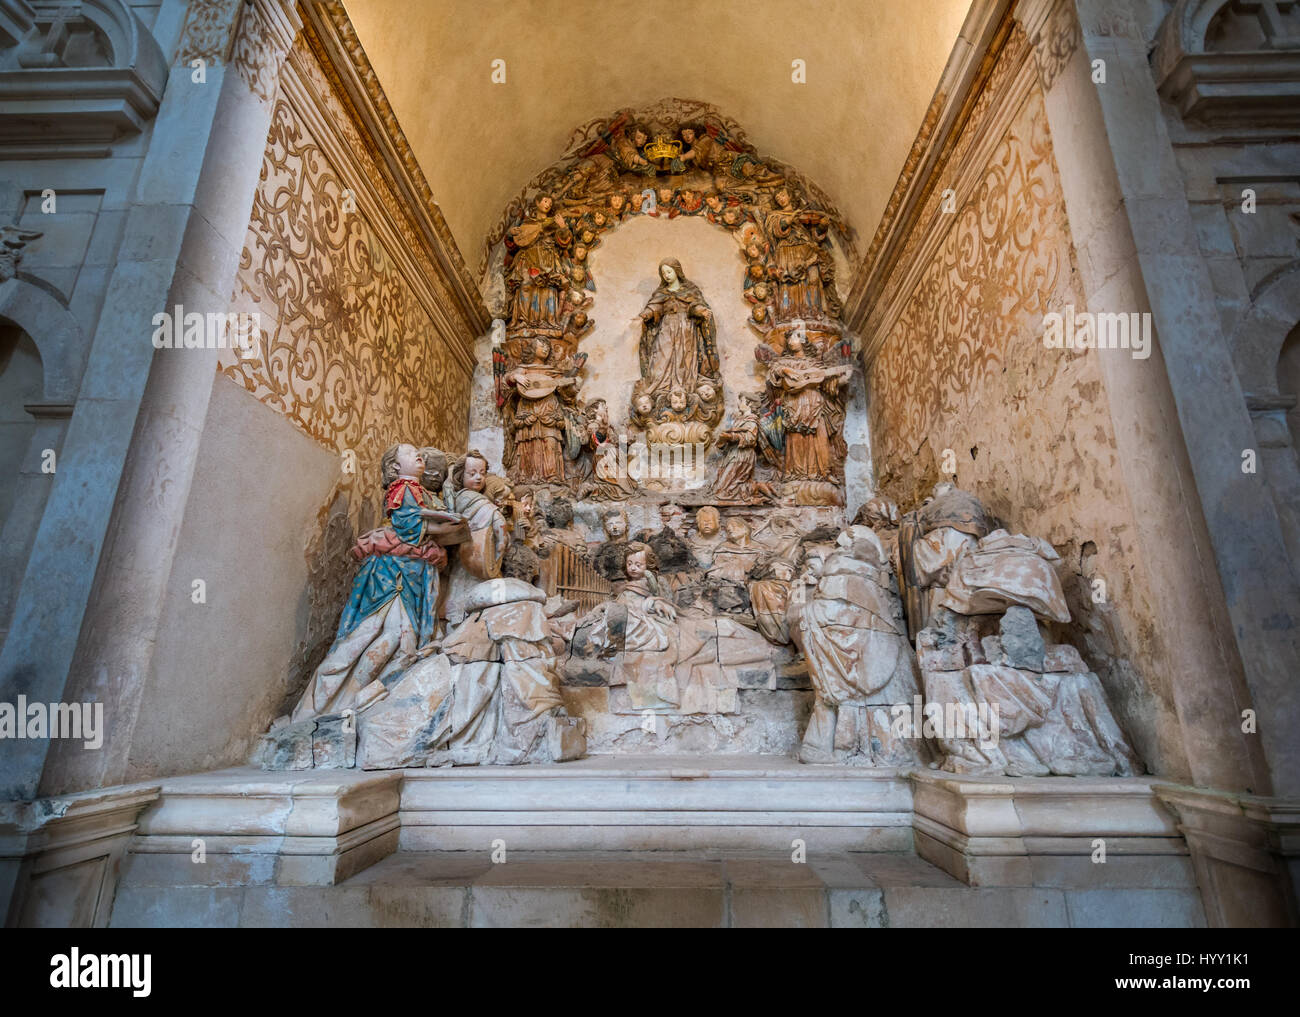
column 638, row 559
column 615, row 524
column 707, row 522
column 470, row 472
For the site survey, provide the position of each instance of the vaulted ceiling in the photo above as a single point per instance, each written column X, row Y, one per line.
column 871, row 70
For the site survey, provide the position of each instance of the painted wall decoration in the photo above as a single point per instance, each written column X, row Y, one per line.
column 349, row 351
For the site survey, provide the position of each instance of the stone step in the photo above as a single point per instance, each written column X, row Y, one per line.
column 655, row 803
column 597, row 889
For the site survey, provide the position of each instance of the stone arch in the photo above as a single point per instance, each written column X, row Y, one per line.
column 1260, row 332
column 674, row 159
column 40, row 344
column 736, row 174
column 53, row 328
column 1203, row 63
column 1265, row 348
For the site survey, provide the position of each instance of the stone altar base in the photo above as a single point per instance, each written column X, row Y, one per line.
column 658, row 803
column 662, row 840
column 1029, row 831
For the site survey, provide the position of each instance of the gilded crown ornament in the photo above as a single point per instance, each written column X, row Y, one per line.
column 662, row 149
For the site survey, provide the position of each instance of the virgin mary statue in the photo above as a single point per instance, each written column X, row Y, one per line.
column 679, row 347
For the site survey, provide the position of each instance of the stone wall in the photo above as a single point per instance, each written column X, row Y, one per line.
column 962, row 384
column 352, row 358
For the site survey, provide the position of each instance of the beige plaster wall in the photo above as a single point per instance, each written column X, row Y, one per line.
column 1032, row 430
column 871, row 66
column 221, row 668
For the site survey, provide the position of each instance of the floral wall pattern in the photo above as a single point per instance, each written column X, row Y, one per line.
column 964, row 368
column 1004, row 263
column 360, row 341
column 348, row 352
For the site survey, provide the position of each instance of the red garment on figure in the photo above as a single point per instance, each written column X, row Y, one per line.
column 397, row 490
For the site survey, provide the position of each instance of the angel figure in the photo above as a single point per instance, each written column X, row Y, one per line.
column 542, row 426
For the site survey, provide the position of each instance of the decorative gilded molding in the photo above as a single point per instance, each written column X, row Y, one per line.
column 962, row 95
column 662, row 114
column 333, row 39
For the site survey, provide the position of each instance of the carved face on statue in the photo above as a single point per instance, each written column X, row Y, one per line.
column 783, row 198
column 475, row 474
column 634, row 565
column 616, row 526
column 706, row 392
column 677, row 398
column 545, row 204
column 738, row 531
column 435, row 468
column 409, row 462
column 541, row 350
column 707, row 522
column 688, row 136
column 643, row 404
column 668, row 274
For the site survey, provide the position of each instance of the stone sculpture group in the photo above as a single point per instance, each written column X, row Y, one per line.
column 924, row 636
column 915, row 639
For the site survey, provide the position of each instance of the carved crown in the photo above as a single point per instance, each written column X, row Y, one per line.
column 663, row 149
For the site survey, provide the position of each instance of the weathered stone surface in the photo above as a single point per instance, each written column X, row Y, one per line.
column 334, row 742
column 1022, row 643
column 288, row 747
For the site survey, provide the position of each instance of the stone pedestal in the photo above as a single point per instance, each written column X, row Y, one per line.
column 1032, row 831
column 243, row 826
column 1246, row 850
column 60, row 857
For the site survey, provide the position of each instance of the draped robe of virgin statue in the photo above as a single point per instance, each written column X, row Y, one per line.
column 678, row 335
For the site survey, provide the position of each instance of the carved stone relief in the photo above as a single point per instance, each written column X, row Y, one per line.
column 678, row 159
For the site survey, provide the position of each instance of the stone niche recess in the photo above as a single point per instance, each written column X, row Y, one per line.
column 759, row 694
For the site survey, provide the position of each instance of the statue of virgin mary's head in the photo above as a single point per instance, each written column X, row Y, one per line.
column 670, row 271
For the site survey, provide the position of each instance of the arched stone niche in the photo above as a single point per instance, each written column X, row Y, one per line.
column 41, row 346
column 1266, row 352
column 1226, row 60
column 576, row 258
